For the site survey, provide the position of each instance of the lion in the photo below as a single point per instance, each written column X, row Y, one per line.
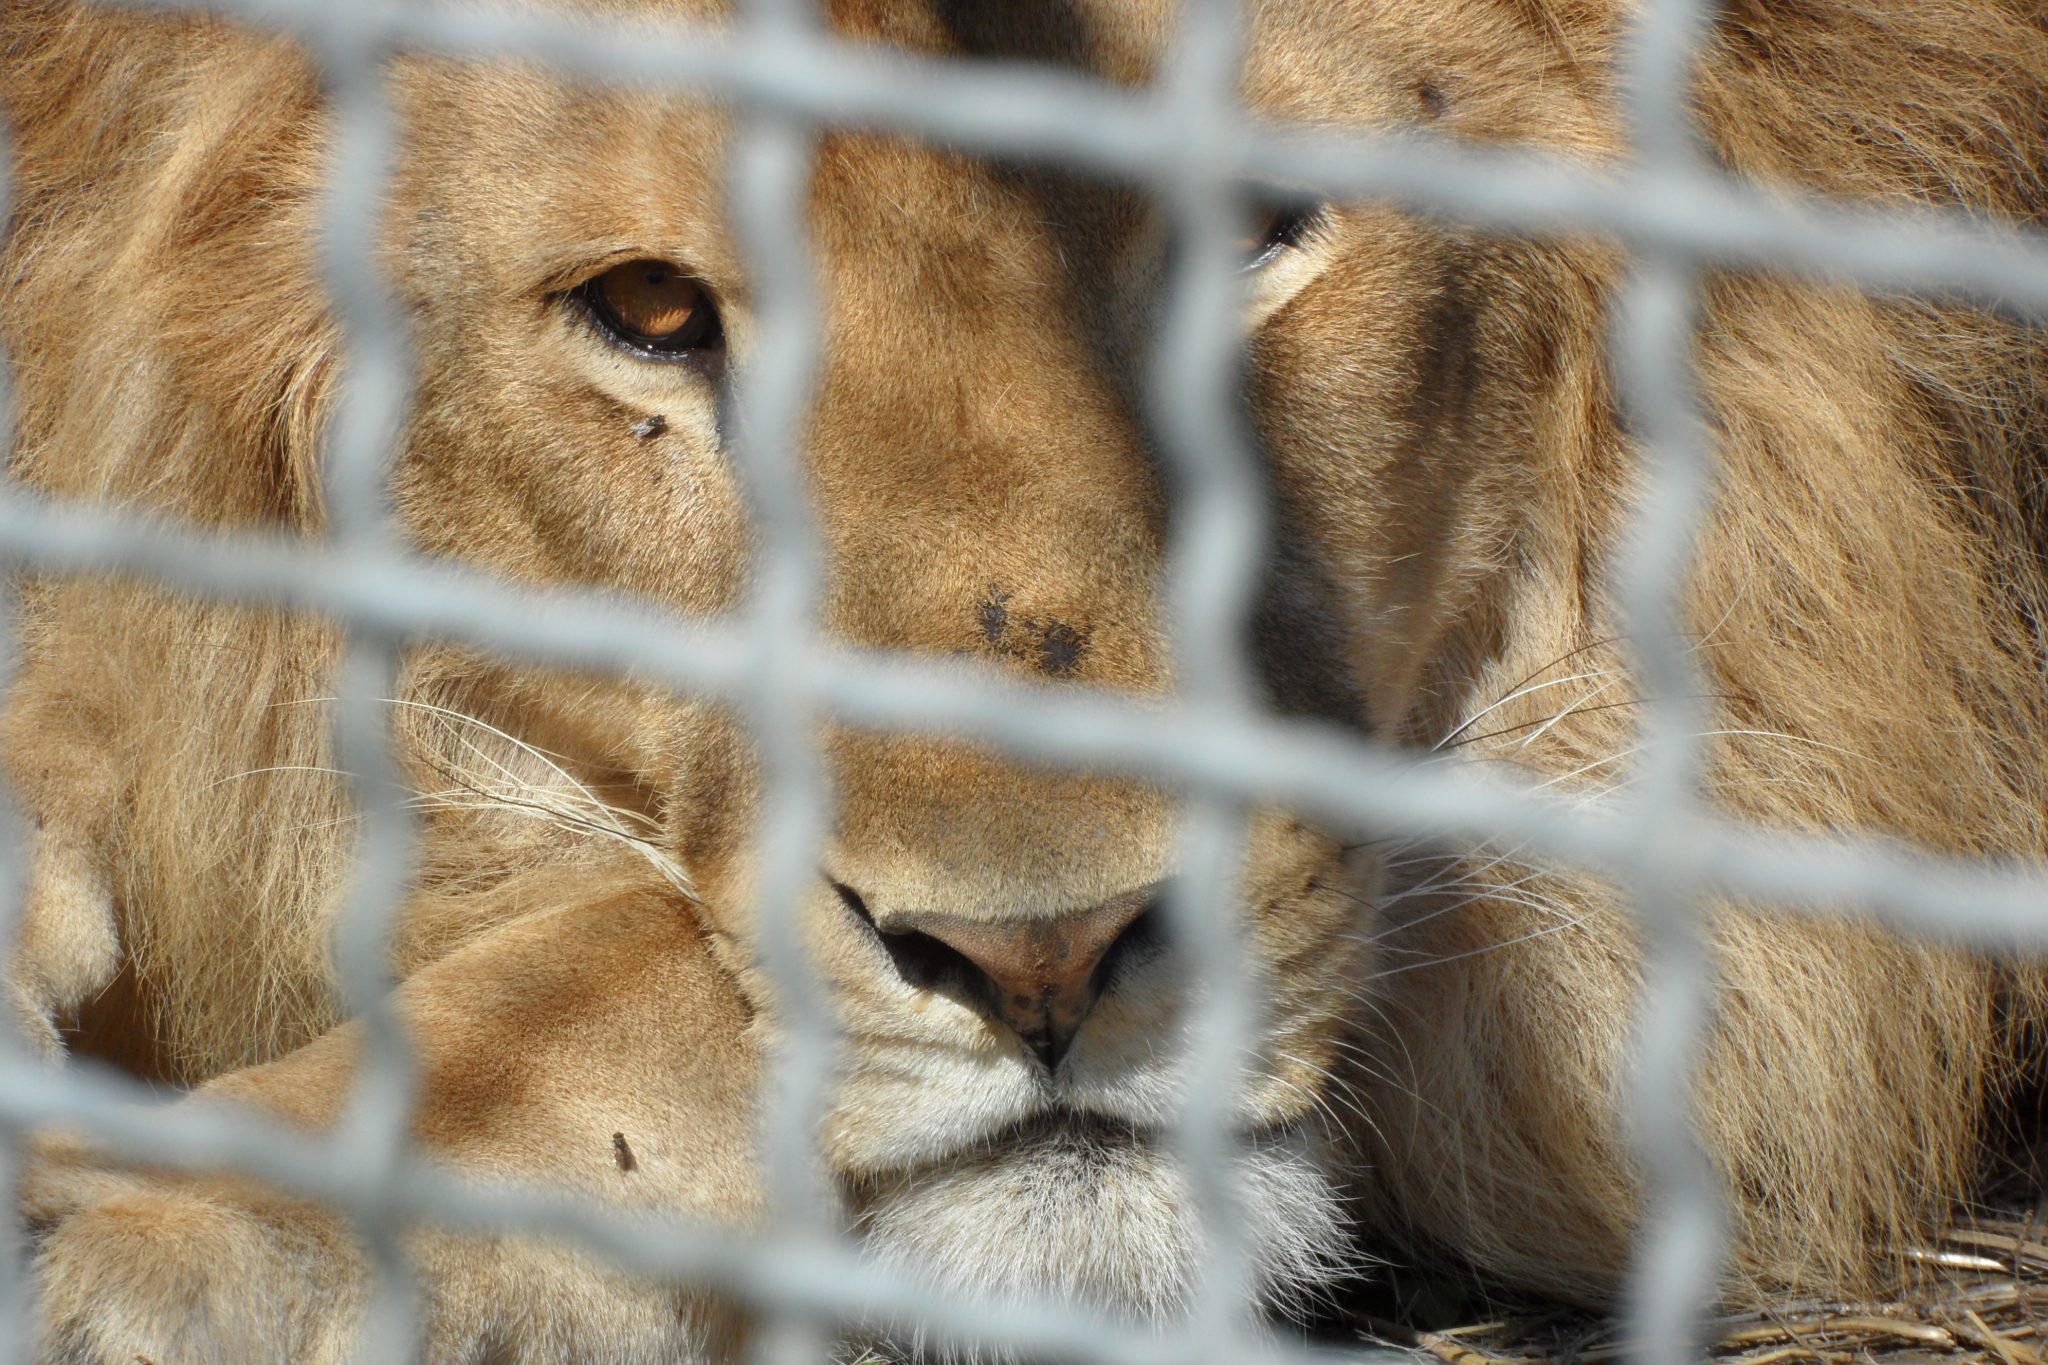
column 1445, row 1033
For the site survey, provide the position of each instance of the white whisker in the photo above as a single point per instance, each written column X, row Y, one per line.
column 494, row 785
column 1516, row 695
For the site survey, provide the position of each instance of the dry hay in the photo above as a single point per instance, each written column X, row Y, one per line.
column 1982, row 1296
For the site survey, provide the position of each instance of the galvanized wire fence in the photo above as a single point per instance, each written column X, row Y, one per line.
column 1186, row 139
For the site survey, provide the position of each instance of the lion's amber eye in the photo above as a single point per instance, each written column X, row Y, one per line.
column 653, row 307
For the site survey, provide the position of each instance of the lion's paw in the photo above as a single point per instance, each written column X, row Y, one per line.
column 68, row 950
column 170, row 1275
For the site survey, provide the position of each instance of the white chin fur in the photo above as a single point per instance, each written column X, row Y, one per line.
column 1096, row 1217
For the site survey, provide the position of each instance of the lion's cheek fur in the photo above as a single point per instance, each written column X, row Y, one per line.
column 910, row 1105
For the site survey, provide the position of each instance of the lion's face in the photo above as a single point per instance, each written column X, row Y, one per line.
column 984, row 487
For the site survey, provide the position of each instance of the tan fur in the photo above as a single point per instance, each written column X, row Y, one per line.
column 1448, row 1029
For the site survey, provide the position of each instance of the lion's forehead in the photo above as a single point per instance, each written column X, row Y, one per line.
column 547, row 161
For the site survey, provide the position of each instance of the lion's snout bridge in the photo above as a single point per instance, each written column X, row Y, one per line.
column 1038, row 976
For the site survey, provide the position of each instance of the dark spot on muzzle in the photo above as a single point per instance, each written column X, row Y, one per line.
column 1060, row 648
column 1049, row 645
column 993, row 614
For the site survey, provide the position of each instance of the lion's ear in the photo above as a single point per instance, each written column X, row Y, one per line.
column 181, row 337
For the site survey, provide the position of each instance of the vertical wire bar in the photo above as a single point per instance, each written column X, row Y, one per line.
column 1675, row 1273
column 17, row 1293
column 770, row 197
column 373, row 1135
column 1218, row 536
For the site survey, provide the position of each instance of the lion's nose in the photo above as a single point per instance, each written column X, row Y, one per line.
column 1039, row 976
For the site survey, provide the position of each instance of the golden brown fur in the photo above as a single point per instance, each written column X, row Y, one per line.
column 1452, row 481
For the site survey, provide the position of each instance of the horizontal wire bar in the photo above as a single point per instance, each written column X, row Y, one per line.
column 1008, row 108
column 817, row 1274
column 1327, row 773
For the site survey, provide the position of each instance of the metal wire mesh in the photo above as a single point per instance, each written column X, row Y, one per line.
column 1187, row 139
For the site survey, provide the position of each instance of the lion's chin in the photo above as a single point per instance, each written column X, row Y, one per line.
column 1079, row 1211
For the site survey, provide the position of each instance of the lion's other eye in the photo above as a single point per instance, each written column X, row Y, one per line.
column 655, row 308
column 1273, row 230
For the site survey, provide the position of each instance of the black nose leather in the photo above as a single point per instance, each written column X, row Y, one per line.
column 1040, row 976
